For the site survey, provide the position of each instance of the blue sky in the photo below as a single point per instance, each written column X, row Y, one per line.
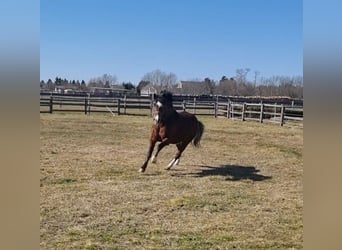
column 81, row 39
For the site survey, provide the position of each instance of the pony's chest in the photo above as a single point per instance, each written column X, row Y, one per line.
column 162, row 132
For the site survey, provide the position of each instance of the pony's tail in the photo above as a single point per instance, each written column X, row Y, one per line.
column 199, row 133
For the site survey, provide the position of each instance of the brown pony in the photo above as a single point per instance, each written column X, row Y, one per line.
column 172, row 127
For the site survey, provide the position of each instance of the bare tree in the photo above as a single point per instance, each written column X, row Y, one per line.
column 241, row 75
column 106, row 80
column 227, row 87
column 209, row 85
column 256, row 74
column 281, row 86
column 160, row 78
column 271, row 86
column 169, row 80
column 50, row 85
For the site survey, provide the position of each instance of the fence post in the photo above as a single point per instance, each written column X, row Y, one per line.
column 243, row 111
column 85, row 105
column 282, row 115
column 232, row 112
column 194, row 106
column 51, row 104
column 184, row 105
column 215, row 109
column 119, row 106
column 151, row 105
column 228, row 109
column 261, row 112
column 89, row 104
column 125, row 100
column 216, row 106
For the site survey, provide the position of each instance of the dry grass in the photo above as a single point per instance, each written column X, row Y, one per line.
column 242, row 189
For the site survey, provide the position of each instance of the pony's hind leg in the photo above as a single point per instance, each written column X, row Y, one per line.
column 172, row 163
column 181, row 147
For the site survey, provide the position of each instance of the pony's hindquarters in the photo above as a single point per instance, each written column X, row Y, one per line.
column 199, row 133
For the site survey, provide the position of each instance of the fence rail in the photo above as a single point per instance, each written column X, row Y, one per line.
column 261, row 112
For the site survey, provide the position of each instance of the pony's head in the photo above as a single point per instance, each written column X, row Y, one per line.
column 163, row 107
column 165, row 99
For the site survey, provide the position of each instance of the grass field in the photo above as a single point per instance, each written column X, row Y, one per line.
column 242, row 189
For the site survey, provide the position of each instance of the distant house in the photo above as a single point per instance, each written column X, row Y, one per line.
column 148, row 90
column 192, row 88
column 114, row 90
column 118, row 87
column 64, row 90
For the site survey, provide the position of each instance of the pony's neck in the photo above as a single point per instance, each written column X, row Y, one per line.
column 169, row 116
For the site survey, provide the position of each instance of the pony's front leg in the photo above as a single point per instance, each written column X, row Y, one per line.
column 161, row 145
column 149, row 153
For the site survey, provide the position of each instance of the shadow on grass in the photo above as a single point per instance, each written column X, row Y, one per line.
column 231, row 172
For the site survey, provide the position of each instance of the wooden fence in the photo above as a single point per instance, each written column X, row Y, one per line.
column 89, row 104
column 261, row 112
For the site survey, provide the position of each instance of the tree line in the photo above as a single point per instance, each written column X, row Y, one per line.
column 238, row 85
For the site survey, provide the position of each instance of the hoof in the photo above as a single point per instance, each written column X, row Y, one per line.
column 154, row 159
column 141, row 170
column 172, row 163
